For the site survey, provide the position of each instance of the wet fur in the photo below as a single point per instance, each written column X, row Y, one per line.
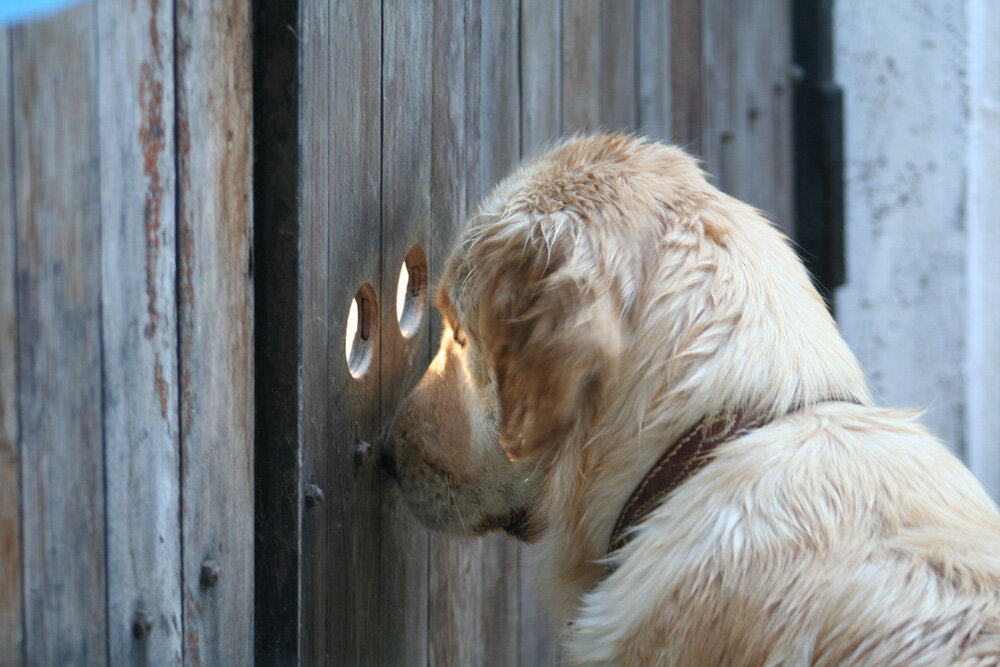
column 602, row 301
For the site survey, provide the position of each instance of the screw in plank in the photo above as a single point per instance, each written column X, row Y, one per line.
column 143, row 624
column 210, row 573
column 363, row 454
column 314, row 495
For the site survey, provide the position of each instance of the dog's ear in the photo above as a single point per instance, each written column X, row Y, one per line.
column 556, row 340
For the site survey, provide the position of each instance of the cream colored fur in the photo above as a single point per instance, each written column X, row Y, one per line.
column 603, row 300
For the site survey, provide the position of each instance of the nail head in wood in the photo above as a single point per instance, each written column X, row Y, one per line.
column 210, row 572
column 362, row 454
column 314, row 495
column 143, row 624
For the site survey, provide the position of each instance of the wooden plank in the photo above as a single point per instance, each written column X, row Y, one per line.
column 353, row 182
column 11, row 626
column 314, row 111
column 581, row 66
column 539, row 627
column 59, row 348
column 719, row 24
column 139, row 330
column 214, row 234
column 499, row 148
column 747, row 136
column 455, row 584
column 618, row 75
column 407, row 34
column 764, row 113
column 277, row 234
column 653, row 33
column 541, row 74
column 686, row 71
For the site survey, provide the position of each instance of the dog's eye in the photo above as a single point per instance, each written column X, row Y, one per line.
column 459, row 337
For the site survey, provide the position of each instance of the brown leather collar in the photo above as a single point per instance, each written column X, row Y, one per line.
column 694, row 449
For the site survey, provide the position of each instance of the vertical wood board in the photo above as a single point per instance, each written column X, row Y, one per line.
column 618, row 75
column 746, row 137
column 353, row 183
column 59, row 346
column 540, row 74
column 317, row 329
column 214, row 236
column 653, row 77
column 139, row 328
column 581, row 66
column 686, row 73
column 11, row 626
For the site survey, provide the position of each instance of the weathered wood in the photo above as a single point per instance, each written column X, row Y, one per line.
column 454, row 583
column 278, row 490
column 353, row 182
column 11, row 626
column 59, row 348
column 618, row 75
column 686, row 73
column 319, row 326
column 214, row 236
column 539, row 627
column 581, row 66
column 746, row 137
column 139, row 328
column 719, row 50
column 654, row 99
column 407, row 32
column 541, row 74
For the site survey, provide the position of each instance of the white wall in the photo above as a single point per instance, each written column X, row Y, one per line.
column 920, row 305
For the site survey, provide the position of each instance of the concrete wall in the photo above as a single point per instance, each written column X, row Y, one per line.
column 920, row 305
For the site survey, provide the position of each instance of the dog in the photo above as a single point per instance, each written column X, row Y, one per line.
column 637, row 375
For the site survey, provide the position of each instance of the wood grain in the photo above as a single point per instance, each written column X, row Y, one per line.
column 541, row 74
column 686, row 73
column 139, row 328
column 353, row 182
column 747, row 144
column 11, row 627
column 59, row 347
column 317, row 324
column 581, row 66
column 618, row 75
column 654, row 98
column 407, row 34
column 214, row 236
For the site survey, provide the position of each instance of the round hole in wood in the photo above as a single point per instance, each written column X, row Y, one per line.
column 362, row 327
column 411, row 292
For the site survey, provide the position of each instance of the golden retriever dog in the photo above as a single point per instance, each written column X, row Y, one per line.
column 608, row 314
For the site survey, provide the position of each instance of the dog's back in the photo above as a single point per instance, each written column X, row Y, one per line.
column 845, row 535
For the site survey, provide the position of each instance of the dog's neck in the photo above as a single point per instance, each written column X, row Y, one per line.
column 678, row 463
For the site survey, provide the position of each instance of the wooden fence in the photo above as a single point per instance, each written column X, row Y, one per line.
column 152, row 508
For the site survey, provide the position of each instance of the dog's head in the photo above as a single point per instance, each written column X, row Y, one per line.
column 535, row 300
